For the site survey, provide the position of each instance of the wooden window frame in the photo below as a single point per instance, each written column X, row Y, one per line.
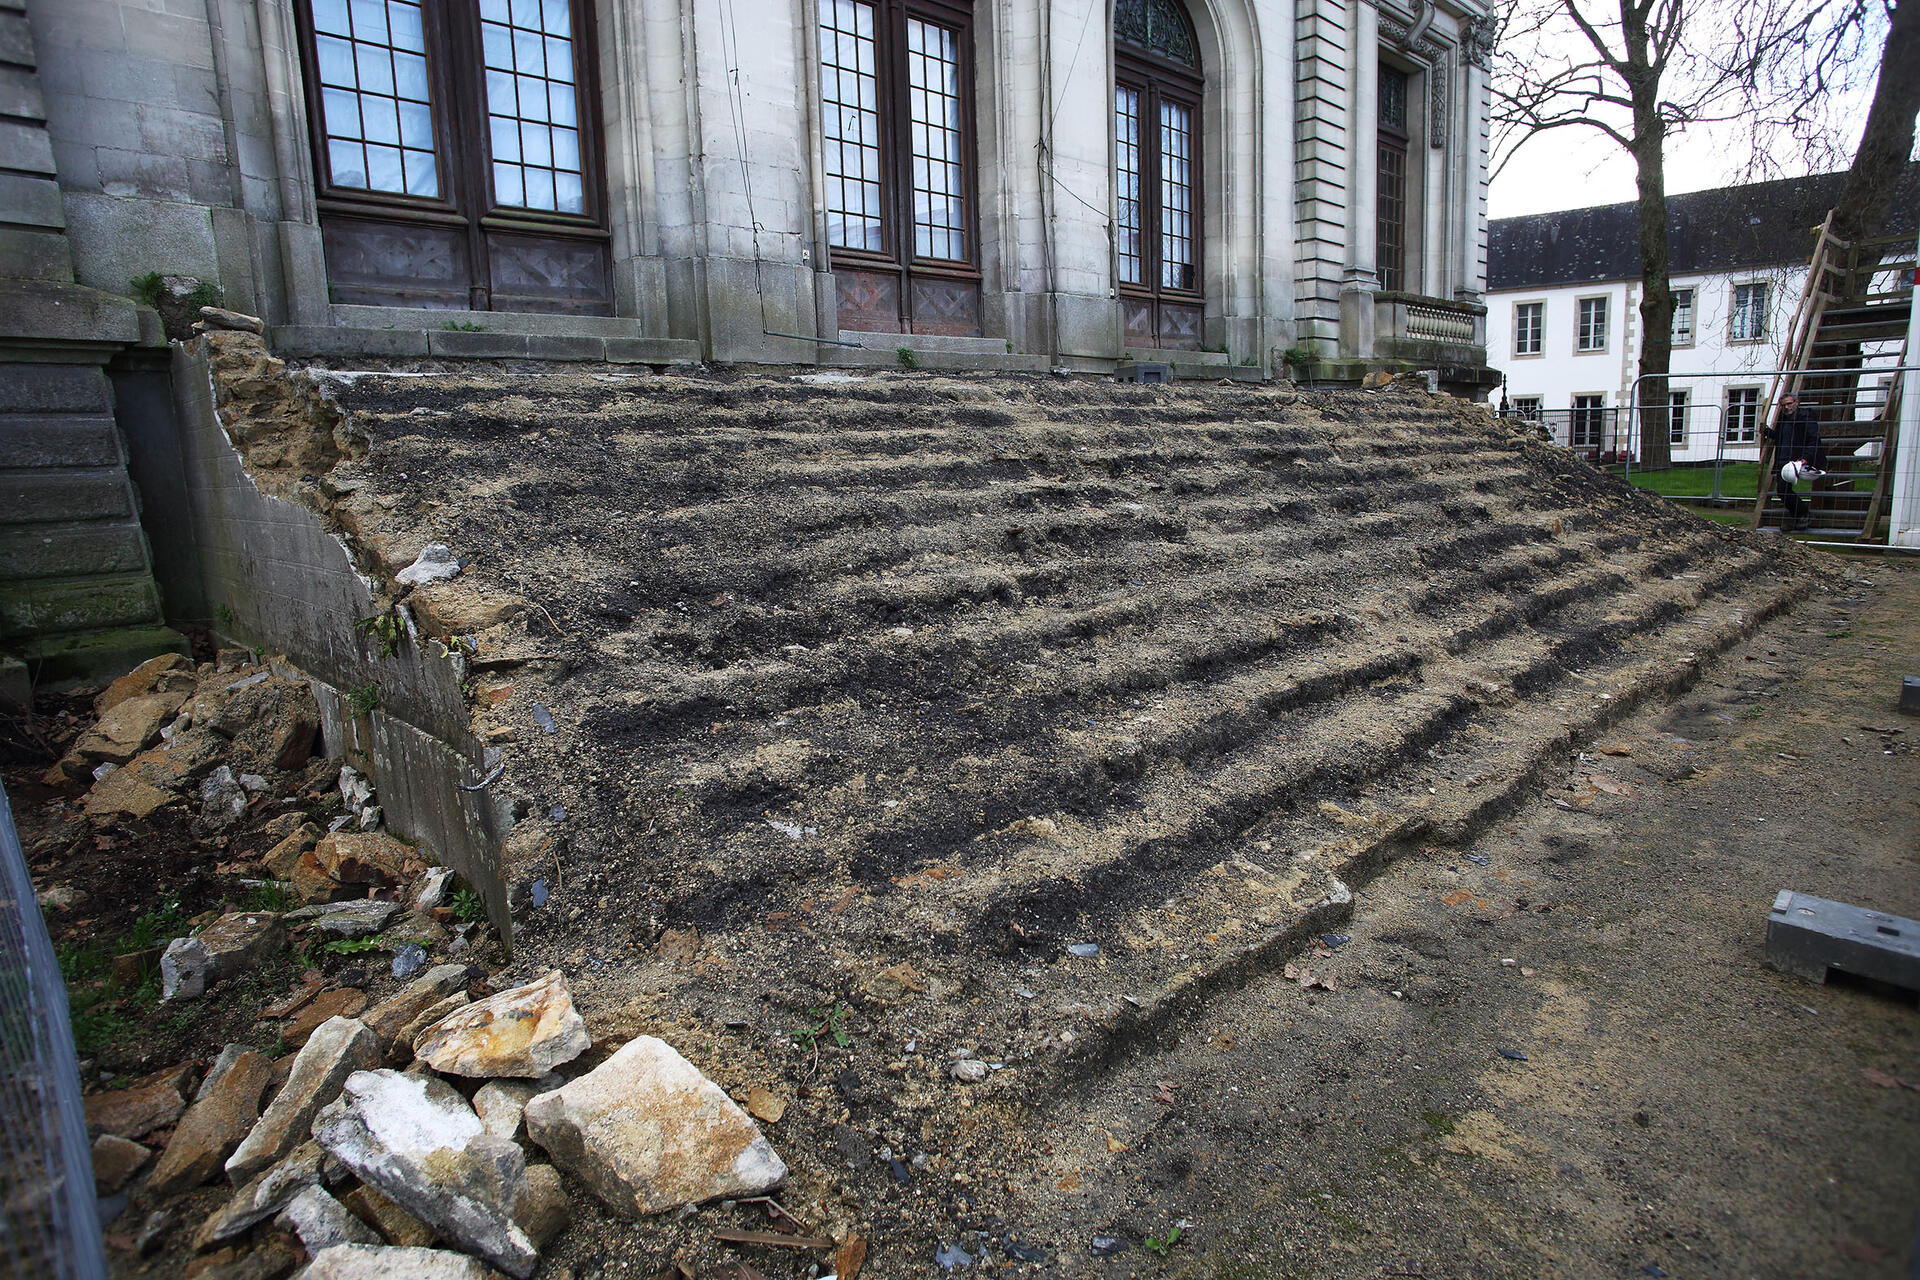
column 1753, row 417
column 1155, row 78
column 462, row 147
column 896, row 143
column 1606, row 324
column 1396, row 140
column 1576, row 417
column 1539, row 348
column 1762, row 316
column 1154, row 313
column 1693, row 316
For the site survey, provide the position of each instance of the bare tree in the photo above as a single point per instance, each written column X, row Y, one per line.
column 1642, row 71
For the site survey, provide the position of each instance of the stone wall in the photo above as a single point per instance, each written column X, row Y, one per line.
column 77, row 595
column 277, row 578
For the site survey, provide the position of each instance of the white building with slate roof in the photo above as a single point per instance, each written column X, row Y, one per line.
column 1563, row 323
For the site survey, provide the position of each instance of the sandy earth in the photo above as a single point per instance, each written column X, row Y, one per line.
column 1682, row 1108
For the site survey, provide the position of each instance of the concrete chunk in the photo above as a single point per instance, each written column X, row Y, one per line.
column 418, row 1143
column 378, row 1262
column 322, row 1222
column 340, row 1047
column 526, row 1031
column 648, row 1133
column 1809, row 937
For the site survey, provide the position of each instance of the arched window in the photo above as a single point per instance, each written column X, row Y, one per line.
column 1156, row 118
column 896, row 94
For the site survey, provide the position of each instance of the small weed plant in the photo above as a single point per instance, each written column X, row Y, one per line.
column 383, row 630
column 363, row 700
column 831, row 1025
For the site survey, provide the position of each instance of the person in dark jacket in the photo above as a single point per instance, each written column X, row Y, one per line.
column 1796, row 438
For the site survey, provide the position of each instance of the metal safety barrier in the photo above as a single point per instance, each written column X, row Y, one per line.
column 49, row 1221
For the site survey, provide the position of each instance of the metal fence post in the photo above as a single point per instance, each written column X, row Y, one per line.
column 49, row 1221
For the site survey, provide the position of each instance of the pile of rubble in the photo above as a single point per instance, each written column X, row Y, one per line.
column 426, row 1137
column 392, row 1118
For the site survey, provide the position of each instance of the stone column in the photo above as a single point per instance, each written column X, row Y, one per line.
column 1361, row 280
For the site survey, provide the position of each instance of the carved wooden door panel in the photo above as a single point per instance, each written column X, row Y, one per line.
column 457, row 153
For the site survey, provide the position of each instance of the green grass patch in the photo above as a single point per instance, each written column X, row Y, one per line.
column 1737, row 480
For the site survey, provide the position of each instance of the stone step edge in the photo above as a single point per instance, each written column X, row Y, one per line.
column 1140, row 1029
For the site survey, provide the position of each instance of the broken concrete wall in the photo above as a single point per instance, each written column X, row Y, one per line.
column 276, row 577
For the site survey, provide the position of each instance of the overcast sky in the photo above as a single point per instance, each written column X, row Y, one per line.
column 1573, row 168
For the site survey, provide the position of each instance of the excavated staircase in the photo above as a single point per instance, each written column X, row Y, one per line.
column 1019, row 714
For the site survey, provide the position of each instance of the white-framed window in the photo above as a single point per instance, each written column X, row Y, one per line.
column 1529, row 327
column 1683, row 317
column 1747, row 319
column 1586, row 425
column 1743, row 415
column 1590, row 334
column 1526, row 408
column 1677, row 415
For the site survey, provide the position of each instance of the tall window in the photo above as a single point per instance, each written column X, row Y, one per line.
column 895, row 90
column 1677, row 417
column 1587, row 423
column 1683, row 317
column 1156, row 130
column 1747, row 321
column 1529, row 320
column 457, row 154
column 1390, row 236
column 1743, row 415
column 1591, row 333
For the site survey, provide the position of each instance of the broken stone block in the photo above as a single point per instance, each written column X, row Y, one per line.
column 115, row 1161
column 543, row 1212
column 130, row 728
column 233, row 944
column 394, row 1224
column 145, row 679
column 182, row 762
column 355, row 790
column 376, row 1262
column 366, row 857
column 222, row 799
column 436, row 888
column 268, row 1261
column 391, row 1016
column 427, row 1018
column 419, row 1144
column 282, row 858
column 526, row 1031
column 322, row 1222
column 435, row 563
column 342, row 1002
column 141, row 1107
column 647, row 1132
column 292, row 743
column 502, row 1104
column 214, row 1125
column 265, row 1195
column 122, row 795
column 358, row 919
column 460, row 607
column 338, row 1048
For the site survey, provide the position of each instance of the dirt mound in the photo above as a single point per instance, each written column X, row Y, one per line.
column 903, row 693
